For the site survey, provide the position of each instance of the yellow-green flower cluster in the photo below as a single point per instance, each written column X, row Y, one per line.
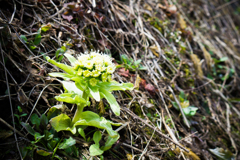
column 96, row 66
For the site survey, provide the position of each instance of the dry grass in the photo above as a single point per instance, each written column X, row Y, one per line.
column 180, row 46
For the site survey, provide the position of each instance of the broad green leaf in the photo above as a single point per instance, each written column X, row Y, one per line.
column 94, row 91
column 110, row 141
column 71, row 59
column 67, row 143
column 89, row 118
column 190, row 111
column 95, row 150
column 23, row 38
column 80, row 85
column 44, row 120
column 111, row 100
column 62, row 122
column 65, row 76
column 64, row 67
column 37, row 39
column 28, row 128
column 43, row 153
column 35, row 120
column 61, row 107
column 70, row 98
column 113, row 85
column 53, row 112
column 97, row 136
column 70, row 87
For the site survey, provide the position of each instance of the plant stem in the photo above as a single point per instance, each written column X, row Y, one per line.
column 80, row 107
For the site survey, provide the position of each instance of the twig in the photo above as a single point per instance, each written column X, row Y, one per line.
column 159, row 132
column 12, row 128
column 10, row 102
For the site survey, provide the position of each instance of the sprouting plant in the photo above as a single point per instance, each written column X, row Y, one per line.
column 187, row 109
column 20, row 114
column 90, row 76
column 46, row 141
column 130, row 64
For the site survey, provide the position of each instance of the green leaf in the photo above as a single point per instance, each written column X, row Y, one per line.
column 80, row 84
column 89, row 118
column 62, row 122
column 70, row 98
column 38, row 137
column 97, row 136
column 95, row 150
column 60, row 58
column 52, row 144
column 110, row 141
column 190, row 111
column 24, row 114
column 24, row 38
column 43, row 153
column 222, row 154
column 35, row 120
column 182, row 96
column 111, row 100
column 81, row 132
column 223, row 59
column 53, row 112
column 28, row 128
column 94, row 91
column 19, row 109
column 70, row 87
column 67, row 143
column 48, row 135
column 64, row 67
column 71, row 59
column 65, row 76
column 113, row 85
column 44, row 120
column 124, row 58
column 142, row 68
column 37, row 39
column 137, row 62
column 32, row 47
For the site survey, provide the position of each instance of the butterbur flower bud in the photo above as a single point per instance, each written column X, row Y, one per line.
column 80, row 71
column 104, row 77
column 93, row 81
column 95, row 65
column 95, row 73
column 109, row 78
column 86, row 73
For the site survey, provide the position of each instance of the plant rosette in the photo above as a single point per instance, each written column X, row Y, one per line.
column 90, row 75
